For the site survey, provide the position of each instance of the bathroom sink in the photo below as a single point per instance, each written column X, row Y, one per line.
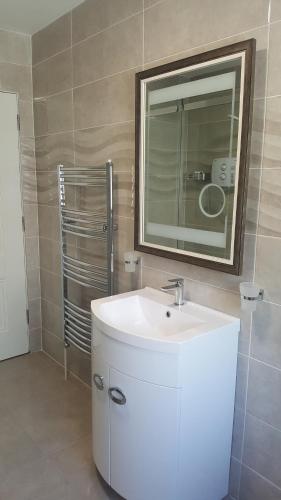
column 147, row 318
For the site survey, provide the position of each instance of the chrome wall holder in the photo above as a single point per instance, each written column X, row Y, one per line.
column 250, row 294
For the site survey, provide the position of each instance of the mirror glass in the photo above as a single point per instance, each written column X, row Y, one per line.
column 189, row 158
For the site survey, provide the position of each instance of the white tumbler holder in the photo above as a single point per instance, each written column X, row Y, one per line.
column 250, row 295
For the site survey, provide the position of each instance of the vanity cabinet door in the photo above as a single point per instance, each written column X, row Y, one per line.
column 144, row 428
column 100, row 416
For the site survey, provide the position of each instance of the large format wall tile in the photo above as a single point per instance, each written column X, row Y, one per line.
column 93, row 16
column 255, row 487
column 95, row 145
column 274, row 73
column 52, row 39
column 270, row 203
column 264, row 393
column 15, row 47
column 194, row 26
column 108, row 52
column 105, row 102
column 275, row 10
column 52, row 150
column 16, row 78
column 268, row 267
column 262, row 450
column 266, row 345
column 272, row 139
column 54, row 75
column 53, row 114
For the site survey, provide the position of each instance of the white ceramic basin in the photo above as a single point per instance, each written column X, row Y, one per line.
column 147, row 318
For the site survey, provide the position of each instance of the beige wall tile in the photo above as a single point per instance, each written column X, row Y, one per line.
column 27, row 154
column 47, row 185
column 237, row 436
column 256, row 487
column 117, row 49
column 16, row 78
column 80, row 364
column 258, row 123
column 52, row 318
column 265, row 345
column 270, row 203
column 53, row 346
column 274, row 61
column 93, row 146
column 33, row 284
column 32, row 252
column 268, row 267
column 205, row 275
column 264, row 393
column 48, row 222
column 26, row 118
column 275, row 10
column 272, row 139
column 30, row 212
column 195, row 26
column 34, row 307
column 53, row 114
column 15, row 47
column 53, row 75
column 51, row 287
column 95, row 105
column 52, row 150
column 252, row 201
column 52, row 39
column 262, row 451
column 96, row 15
column 35, row 339
column 50, row 256
column 234, row 478
column 29, row 186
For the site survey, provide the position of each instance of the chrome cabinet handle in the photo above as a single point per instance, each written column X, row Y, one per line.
column 117, row 396
column 98, row 381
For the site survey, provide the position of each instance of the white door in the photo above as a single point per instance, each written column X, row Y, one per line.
column 143, row 439
column 13, row 322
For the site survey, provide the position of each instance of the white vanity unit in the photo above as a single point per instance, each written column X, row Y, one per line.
column 163, row 396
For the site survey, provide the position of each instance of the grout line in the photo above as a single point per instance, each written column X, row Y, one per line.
column 61, row 365
column 255, row 264
column 84, row 128
column 264, row 422
column 46, row 59
column 253, row 358
column 214, row 42
column 261, row 476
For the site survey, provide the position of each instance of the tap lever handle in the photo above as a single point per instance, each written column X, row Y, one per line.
column 178, row 281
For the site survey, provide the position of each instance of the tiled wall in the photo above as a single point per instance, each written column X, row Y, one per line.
column 84, row 66
column 16, row 76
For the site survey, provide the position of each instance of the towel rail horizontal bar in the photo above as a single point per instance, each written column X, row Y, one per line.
column 78, row 317
column 78, row 327
column 83, row 263
column 72, row 342
column 71, row 304
column 85, row 273
column 86, row 322
column 78, row 343
column 83, row 213
column 87, row 285
column 85, row 277
column 73, row 331
column 83, row 235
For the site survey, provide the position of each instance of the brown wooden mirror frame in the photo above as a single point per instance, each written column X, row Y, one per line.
column 248, row 47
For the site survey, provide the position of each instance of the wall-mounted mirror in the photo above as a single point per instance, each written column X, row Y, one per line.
column 193, row 121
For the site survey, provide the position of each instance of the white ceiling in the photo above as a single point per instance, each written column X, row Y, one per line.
column 29, row 16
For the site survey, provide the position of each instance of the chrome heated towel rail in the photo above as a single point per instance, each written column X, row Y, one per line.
column 81, row 230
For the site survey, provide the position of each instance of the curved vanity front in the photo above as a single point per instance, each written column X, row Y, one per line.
column 163, row 396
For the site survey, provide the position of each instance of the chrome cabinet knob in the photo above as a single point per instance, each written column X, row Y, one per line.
column 117, row 396
column 98, row 381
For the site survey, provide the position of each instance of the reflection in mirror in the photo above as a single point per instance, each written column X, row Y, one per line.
column 190, row 145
